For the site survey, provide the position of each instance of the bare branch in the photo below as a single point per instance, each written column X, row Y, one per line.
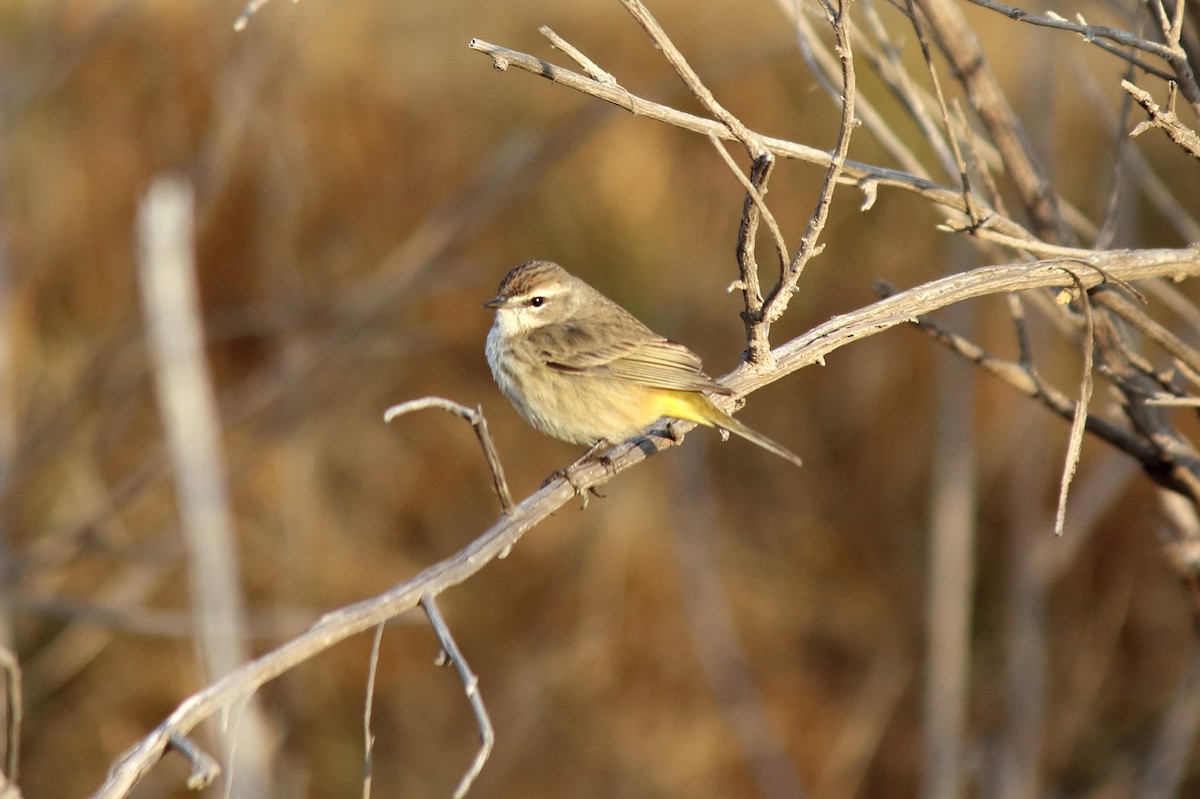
column 1166, row 120
column 451, row 651
column 827, row 70
column 962, row 48
column 756, row 195
column 479, row 423
column 754, row 208
column 1185, row 356
column 751, row 141
column 1022, row 377
column 757, row 344
column 853, row 171
column 368, row 707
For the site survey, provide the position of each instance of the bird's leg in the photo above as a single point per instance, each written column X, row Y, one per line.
column 568, row 473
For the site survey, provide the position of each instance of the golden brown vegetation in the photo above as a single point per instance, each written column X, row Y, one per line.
column 719, row 624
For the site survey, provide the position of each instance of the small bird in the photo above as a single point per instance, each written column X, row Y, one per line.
column 579, row 367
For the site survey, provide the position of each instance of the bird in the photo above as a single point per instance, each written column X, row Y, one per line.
column 580, row 368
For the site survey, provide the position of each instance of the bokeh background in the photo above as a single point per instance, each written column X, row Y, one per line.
column 720, row 624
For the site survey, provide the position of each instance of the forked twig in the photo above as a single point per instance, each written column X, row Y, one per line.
column 479, row 423
column 755, row 187
column 589, row 66
column 1165, row 120
column 777, row 301
column 450, row 651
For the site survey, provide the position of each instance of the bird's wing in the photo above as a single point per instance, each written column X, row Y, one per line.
column 651, row 361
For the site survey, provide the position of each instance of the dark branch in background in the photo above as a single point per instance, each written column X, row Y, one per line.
column 1172, row 52
column 1099, row 35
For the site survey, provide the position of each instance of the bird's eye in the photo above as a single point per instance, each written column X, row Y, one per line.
column 537, row 302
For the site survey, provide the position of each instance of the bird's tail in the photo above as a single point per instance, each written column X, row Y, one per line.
column 719, row 418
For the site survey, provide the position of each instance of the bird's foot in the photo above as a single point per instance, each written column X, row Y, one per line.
column 569, row 473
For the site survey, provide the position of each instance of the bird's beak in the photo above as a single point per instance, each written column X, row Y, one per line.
column 495, row 302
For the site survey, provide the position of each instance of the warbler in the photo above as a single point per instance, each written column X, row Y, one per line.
column 579, row 367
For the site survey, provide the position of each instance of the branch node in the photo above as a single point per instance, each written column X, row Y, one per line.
column 204, row 768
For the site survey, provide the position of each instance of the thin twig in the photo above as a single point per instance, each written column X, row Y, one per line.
column 1079, row 419
column 959, row 43
column 944, row 110
column 588, row 65
column 368, row 736
column 777, row 301
column 479, row 423
column 487, row 736
column 758, row 343
column 14, row 711
column 1024, row 378
column 1091, row 34
column 826, row 69
column 756, row 196
column 1186, row 357
column 751, row 141
column 1098, row 35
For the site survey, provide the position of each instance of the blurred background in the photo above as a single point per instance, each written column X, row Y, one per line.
column 720, row 624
